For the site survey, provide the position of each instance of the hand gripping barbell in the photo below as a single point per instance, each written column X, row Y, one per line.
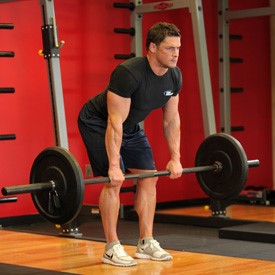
column 57, row 183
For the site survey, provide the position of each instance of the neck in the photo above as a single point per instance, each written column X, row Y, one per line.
column 156, row 67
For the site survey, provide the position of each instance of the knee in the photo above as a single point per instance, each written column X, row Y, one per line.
column 151, row 181
column 112, row 189
column 148, row 183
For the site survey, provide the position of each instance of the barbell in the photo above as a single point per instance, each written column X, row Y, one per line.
column 57, row 183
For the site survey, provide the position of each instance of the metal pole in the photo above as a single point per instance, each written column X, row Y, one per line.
column 203, row 67
column 224, row 68
column 272, row 61
column 51, row 53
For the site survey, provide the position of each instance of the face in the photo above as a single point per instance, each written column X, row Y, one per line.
column 167, row 52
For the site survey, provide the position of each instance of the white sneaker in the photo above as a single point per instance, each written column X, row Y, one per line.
column 152, row 250
column 117, row 256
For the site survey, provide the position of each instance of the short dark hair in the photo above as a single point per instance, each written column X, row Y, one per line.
column 158, row 32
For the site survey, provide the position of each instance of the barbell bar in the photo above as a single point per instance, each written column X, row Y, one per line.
column 50, row 186
column 57, row 183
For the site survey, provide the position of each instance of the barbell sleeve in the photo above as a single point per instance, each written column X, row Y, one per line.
column 253, row 163
column 28, row 188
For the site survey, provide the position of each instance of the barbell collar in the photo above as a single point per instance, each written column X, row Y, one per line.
column 28, row 188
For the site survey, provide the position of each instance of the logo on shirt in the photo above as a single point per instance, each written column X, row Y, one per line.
column 168, row 93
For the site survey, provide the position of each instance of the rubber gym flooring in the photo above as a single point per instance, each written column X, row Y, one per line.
column 9, row 269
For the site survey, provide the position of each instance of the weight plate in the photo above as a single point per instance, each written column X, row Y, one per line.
column 58, row 165
column 230, row 181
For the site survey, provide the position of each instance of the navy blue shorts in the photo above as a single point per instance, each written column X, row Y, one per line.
column 135, row 150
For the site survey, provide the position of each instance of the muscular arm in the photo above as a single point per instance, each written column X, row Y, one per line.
column 171, row 127
column 118, row 110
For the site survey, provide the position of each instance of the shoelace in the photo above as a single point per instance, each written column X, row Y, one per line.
column 155, row 244
column 119, row 250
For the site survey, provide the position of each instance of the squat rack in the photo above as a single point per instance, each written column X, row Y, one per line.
column 51, row 53
column 196, row 10
column 225, row 16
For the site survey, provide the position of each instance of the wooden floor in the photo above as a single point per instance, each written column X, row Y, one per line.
column 84, row 257
column 242, row 212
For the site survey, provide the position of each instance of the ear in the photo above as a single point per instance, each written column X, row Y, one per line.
column 152, row 47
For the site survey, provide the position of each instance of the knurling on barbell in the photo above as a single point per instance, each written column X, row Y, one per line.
column 57, row 183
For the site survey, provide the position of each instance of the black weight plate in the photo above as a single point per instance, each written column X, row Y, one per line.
column 231, row 180
column 58, row 165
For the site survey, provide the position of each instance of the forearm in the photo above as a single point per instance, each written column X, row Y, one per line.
column 113, row 139
column 118, row 109
column 172, row 135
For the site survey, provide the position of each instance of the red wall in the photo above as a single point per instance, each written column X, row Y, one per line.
column 86, row 63
column 26, row 113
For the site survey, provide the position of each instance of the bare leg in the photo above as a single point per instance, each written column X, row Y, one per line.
column 109, row 203
column 109, row 206
column 145, row 205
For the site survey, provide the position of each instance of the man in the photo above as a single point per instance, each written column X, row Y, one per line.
column 109, row 125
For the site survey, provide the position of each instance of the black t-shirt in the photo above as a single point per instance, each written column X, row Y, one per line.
column 135, row 79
